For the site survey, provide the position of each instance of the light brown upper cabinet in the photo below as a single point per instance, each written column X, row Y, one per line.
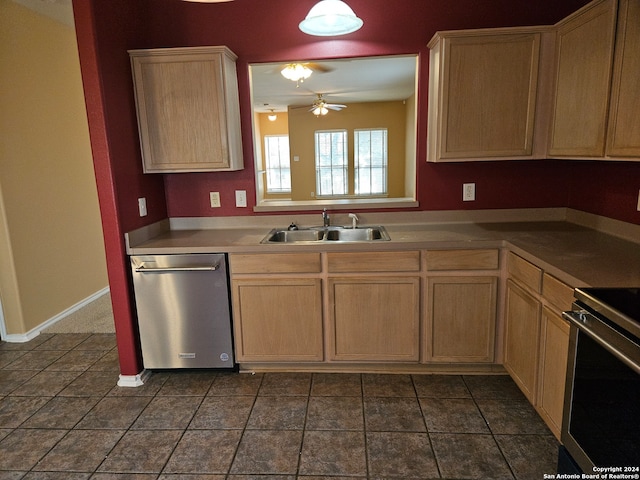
column 188, row 109
column 583, row 81
column 483, row 93
column 597, row 98
column 623, row 139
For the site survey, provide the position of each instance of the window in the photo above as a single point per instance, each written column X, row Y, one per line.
column 370, row 162
column 331, row 162
column 276, row 153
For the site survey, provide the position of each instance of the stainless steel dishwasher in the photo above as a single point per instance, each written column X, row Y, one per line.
column 183, row 310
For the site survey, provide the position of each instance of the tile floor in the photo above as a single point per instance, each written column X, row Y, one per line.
column 63, row 417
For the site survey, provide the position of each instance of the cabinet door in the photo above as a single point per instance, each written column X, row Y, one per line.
column 583, row 80
column 375, row 319
column 461, row 319
column 278, row 319
column 485, row 96
column 554, row 350
column 522, row 331
column 624, row 127
column 187, row 106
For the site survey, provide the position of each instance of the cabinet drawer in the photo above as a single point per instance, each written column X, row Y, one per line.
column 462, row 259
column 524, row 272
column 557, row 293
column 374, row 262
column 275, row 263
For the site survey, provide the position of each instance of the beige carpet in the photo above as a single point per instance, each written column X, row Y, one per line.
column 95, row 317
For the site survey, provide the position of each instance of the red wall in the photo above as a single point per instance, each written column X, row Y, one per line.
column 266, row 30
column 609, row 189
column 390, row 28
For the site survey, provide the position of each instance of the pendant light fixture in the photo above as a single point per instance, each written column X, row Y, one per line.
column 330, row 18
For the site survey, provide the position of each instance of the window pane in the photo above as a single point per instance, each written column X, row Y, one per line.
column 331, row 162
column 276, row 152
column 371, row 161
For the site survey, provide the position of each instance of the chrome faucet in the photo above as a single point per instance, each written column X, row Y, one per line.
column 326, row 221
column 354, row 220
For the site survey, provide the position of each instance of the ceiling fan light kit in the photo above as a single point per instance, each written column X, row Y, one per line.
column 330, row 18
column 320, row 110
column 321, row 107
column 296, row 72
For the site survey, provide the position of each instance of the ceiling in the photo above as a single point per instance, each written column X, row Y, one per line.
column 371, row 79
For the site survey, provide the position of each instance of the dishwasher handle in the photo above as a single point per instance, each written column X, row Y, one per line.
column 204, row 268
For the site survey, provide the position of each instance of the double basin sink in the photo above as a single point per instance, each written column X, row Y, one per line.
column 327, row 234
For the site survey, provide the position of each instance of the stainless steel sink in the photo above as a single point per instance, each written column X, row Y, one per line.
column 289, row 236
column 327, row 234
column 360, row 234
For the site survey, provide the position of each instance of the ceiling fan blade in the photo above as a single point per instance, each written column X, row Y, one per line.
column 317, row 67
column 334, row 106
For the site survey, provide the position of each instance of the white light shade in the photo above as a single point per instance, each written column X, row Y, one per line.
column 320, row 110
column 330, row 17
column 296, row 72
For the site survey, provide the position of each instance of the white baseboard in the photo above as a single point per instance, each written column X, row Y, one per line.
column 21, row 337
column 34, row 332
column 134, row 380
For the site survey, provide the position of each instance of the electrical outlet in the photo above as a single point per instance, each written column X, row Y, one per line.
column 241, row 198
column 142, row 207
column 214, row 199
column 468, row 192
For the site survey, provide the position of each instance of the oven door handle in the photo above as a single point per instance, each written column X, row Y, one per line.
column 582, row 320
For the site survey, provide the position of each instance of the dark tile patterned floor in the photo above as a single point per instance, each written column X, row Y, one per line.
column 63, row 417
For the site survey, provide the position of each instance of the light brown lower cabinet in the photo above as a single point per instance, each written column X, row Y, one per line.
column 522, row 333
column 374, row 318
column 554, row 346
column 278, row 319
column 461, row 319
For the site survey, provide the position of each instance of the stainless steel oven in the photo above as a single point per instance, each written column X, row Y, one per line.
column 601, row 424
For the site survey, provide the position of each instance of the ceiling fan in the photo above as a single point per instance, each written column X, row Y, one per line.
column 300, row 71
column 321, row 106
